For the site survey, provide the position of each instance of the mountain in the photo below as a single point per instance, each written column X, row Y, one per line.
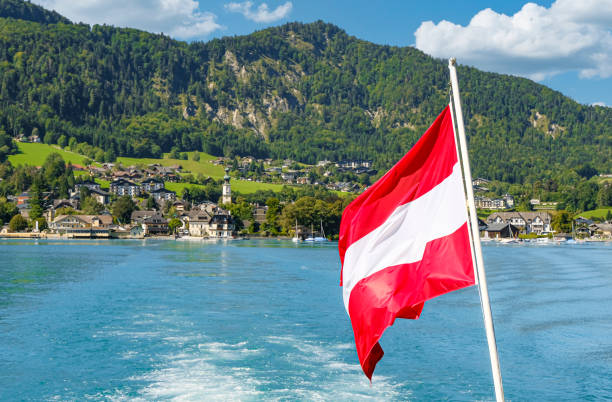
column 24, row 10
column 302, row 91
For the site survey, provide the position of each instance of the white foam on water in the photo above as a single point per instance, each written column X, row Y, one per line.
column 128, row 334
column 201, row 369
column 129, row 355
column 323, row 375
column 182, row 339
column 187, row 378
column 192, row 375
column 224, row 351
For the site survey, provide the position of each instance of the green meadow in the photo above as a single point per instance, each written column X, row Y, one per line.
column 600, row 213
column 36, row 153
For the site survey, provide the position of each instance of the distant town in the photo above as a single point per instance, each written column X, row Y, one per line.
column 136, row 204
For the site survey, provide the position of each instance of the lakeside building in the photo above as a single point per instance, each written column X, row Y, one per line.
column 196, row 222
column 526, row 222
column 501, row 230
column 221, row 226
column 208, row 220
column 152, row 222
column 86, row 226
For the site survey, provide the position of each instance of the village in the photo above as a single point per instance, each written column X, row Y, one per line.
column 61, row 217
column 155, row 211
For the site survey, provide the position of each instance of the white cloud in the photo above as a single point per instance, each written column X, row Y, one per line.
column 177, row 18
column 262, row 13
column 536, row 42
column 599, row 104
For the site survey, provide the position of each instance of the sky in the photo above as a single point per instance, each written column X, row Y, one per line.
column 563, row 44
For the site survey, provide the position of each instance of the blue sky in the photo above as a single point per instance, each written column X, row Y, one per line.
column 564, row 44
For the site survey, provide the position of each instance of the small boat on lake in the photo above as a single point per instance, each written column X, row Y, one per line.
column 316, row 239
column 296, row 238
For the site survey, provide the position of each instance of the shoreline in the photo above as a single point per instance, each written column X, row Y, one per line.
column 57, row 236
column 194, row 239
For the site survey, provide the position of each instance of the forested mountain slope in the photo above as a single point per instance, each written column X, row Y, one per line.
column 302, row 91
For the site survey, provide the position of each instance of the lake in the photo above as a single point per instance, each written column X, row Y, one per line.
column 264, row 319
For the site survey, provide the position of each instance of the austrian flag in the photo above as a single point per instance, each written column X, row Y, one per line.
column 405, row 240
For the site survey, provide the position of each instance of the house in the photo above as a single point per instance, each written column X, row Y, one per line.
column 136, row 231
column 527, row 222
column 24, row 210
column 122, row 187
column 63, row 203
column 50, row 212
column 488, row 203
column 207, row 206
column 100, row 196
column 82, row 225
column 163, row 195
column 354, row 164
column 501, row 230
column 151, row 184
column 288, row 177
column 90, row 184
column 198, row 222
column 221, row 226
column 581, row 221
column 273, row 169
column 23, row 198
column 585, row 230
column 97, row 171
column 179, row 205
column 479, row 181
column 303, row 180
column 603, row 230
column 259, row 213
column 509, row 200
column 152, row 222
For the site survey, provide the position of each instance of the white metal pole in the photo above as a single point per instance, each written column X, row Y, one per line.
column 450, row 104
column 482, row 280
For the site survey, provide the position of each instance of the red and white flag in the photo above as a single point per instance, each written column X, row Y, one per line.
column 405, row 240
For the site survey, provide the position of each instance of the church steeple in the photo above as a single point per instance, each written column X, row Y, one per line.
column 226, row 198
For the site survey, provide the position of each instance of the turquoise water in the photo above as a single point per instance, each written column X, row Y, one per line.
column 250, row 320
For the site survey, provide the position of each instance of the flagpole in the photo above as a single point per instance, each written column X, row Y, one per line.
column 482, row 281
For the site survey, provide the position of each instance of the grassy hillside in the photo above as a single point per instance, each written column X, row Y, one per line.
column 36, row 153
column 600, row 213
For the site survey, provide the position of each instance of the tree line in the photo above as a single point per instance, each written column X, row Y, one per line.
column 307, row 92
